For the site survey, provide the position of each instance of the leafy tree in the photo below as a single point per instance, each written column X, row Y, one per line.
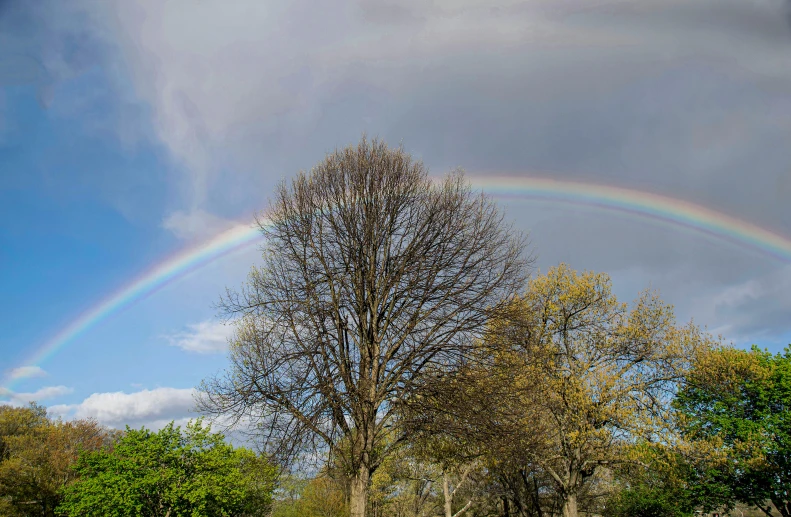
column 36, row 458
column 404, row 486
column 320, row 496
column 739, row 403
column 659, row 485
column 456, row 463
column 170, row 473
column 644, row 501
column 585, row 376
column 323, row 497
column 19, row 421
column 373, row 274
column 286, row 497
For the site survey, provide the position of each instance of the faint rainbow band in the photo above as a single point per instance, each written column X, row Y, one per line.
column 644, row 204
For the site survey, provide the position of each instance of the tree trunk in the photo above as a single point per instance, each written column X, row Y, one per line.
column 570, row 505
column 448, row 495
column 359, row 493
column 539, row 511
column 784, row 507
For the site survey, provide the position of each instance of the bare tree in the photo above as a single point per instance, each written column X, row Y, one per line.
column 372, row 275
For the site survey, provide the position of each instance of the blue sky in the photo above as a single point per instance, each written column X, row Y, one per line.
column 132, row 130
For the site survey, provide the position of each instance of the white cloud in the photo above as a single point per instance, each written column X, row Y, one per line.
column 206, row 337
column 45, row 393
column 152, row 408
column 24, row 372
column 195, row 224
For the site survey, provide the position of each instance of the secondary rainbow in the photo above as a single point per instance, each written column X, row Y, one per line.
column 665, row 209
column 644, row 204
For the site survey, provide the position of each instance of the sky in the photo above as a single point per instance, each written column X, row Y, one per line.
column 141, row 136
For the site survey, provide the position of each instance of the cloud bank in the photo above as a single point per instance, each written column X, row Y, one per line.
column 41, row 395
column 152, row 408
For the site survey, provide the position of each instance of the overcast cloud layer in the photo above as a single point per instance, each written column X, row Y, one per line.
column 689, row 99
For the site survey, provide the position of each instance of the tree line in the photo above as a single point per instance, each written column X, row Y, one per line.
column 396, row 354
column 49, row 468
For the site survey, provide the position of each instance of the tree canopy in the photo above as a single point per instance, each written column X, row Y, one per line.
column 739, row 403
column 170, row 473
column 569, row 379
column 36, row 458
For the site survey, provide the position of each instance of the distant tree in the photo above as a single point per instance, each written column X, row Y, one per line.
column 739, row 403
column 373, row 274
column 598, row 374
column 660, row 485
column 645, row 501
column 456, row 462
column 323, row 497
column 469, row 418
column 286, row 497
column 581, row 377
column 170, row 473
column 36, row 458
column 16, row 421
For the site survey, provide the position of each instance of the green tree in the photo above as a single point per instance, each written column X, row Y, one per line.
column 646, row 501
column 324, row 497
column 739, row 403
column 170, row 473
column 660, row 484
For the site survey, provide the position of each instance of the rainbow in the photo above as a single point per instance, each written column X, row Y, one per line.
column 653, row 206
column 158, row 276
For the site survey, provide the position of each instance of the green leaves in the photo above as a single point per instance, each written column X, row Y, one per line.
column 645, row 501
column 170, row 473
column 740, row 401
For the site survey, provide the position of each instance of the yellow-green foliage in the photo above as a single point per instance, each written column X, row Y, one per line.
column 591, row 375
column 36, row 458
column 321, row 496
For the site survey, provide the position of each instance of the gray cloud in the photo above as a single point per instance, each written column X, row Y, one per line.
column 67, row 55
column 687, row 98
column 44, row 43
column 700, row 275
column 767, row 295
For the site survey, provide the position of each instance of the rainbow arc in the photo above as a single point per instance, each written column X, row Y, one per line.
column 665, row 209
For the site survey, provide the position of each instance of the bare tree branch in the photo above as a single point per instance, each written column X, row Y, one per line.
column 372, row 276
